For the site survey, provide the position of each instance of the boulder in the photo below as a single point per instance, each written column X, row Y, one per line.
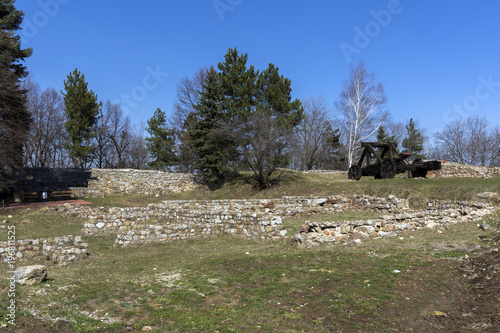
column 30, row 274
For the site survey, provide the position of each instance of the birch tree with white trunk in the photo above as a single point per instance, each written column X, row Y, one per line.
column 361, row 109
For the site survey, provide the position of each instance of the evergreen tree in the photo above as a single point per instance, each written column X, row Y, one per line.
column 161, row 143
column 382, row 135
column 14, row 116
column 243, row 119
column 211, row 136
column 82, row 110
column 414, row 141
column 238, row 83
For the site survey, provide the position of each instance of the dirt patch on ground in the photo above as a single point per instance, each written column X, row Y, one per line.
column 442, row 298
column 31, row 325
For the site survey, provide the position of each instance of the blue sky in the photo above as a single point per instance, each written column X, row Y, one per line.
column 438, row 60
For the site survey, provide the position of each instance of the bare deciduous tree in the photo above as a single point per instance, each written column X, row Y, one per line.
column 120, row 133
column 360, row 108
column 113, row 137
column 47, row 134
column 102, row 140
column 468, row 141
column 315, row 142
column 138, row 155
column 266, row 142
column 188, row 95
column 396, row 129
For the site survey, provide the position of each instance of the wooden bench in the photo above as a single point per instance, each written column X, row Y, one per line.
column 30, row 195
column 63, row 194
column 23, row 196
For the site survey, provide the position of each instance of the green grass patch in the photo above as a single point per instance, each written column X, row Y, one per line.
column 293, row 223
column 38, row 224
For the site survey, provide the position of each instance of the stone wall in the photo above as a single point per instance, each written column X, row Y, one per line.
column 128, row 181
column 174, row 220
column 438, row 214
column 455, row 170
column 262, row 218
column 93, row 183
column 114, row 220
column 55, row 249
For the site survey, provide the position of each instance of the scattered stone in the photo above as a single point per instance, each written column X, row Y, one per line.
column 439, row 314
column 304, row 228
column 485, row 227
column 276, row 220
column 30, row 274
column 147, row 329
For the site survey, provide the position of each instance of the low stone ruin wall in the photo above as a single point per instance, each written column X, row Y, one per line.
column 455, row 170
column 58, row 250
column 127, row 181
column 173, row 220
column 438, row 214
column 91, row 183
column 262, row 218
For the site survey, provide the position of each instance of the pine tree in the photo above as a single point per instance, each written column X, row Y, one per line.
column 414, row 141
column 82, row 110
column 161, row 142
column 14, row 116
column 382, row 135
column 238, row 83
column 211, row 136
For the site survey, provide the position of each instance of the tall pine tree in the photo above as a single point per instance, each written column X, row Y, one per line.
column 211, row 134
column 414, row 141
column 14, row 116
column 82, row 110
column 161, row 142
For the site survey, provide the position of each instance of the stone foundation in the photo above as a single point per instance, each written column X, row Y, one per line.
column 192, row 219
column 58, row 250
column 438, row 214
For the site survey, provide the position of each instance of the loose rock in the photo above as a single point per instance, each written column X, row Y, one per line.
column 30, row 274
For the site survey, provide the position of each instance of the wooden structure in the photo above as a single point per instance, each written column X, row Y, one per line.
column 382, row 160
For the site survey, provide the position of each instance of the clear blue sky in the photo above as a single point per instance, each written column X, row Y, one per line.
column 437, row 59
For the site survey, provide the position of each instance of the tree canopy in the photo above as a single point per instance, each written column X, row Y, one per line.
column 14, row 116
column 243, row 120
column 82, row 109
